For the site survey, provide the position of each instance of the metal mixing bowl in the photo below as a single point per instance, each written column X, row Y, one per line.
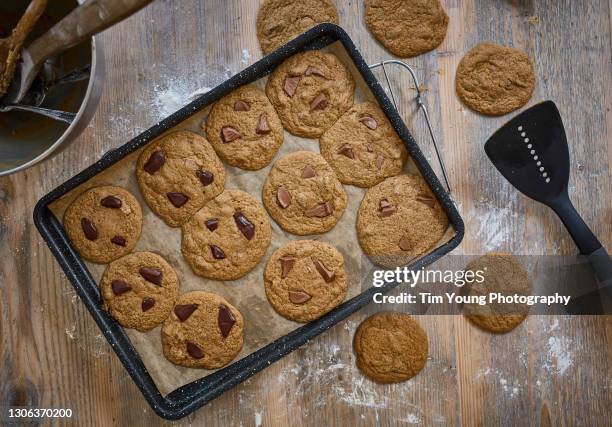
column 28, row 138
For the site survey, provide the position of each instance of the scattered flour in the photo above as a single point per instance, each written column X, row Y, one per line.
column 559, row 355
column 258, row 418
column 246, row 56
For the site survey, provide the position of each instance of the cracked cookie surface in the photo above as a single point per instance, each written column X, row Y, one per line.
column 303, row 195
column 104, row 223
column 177, row 174
column 305, row 279
column 227, row 237
column 244, row 129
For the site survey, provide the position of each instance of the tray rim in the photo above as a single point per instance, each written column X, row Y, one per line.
column 190, row 397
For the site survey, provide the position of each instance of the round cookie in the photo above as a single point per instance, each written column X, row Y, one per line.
column 310, row 91
column 203, row 331
column 494, row 79
column 280, row 21
column 407, row 28
column 504, row 274
column 303, row 195
column 139, row 290
column 362, row 146
column 390, row 347
column 227, row 237
column 398, row 220
column 305, row 279
column 104, row 223
column 177, row 174
column 244, row 129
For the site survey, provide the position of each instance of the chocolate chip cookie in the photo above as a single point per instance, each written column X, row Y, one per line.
column 177, row 174
column 103, row 223
column 310, row 91
column 303, row 194
column 362, row 146
column 244, row 129
column 407, row 28
column 305, row 279
column 203, row 331
column 227, row 237
column 494, row 79
column 280, row 21
column 390, row 347
column 503, row 273
column 398, row 220
column 139, row 290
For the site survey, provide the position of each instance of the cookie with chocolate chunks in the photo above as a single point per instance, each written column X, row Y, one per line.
column 227, row 237
column 202, row 331
column 244, row 129
column 303, row 195
column 399, row 219
column 139, row 290
column 305, row 279
column 104, row 223
column 177, row 174
column 362, row 146
column 310, row 91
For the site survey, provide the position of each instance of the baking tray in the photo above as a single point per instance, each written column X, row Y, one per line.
column 195, row 394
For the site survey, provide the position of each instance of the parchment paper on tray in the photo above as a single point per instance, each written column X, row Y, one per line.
column 262, row 324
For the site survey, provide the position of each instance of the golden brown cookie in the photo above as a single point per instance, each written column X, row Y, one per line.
column 494, row 79
column 244, row 129
column 280, row 21
column 390, row 347
column 139, row 290
column 303, row 195
column 305, row 279
column 104, row 223
column 177, row 174
column 227, row 237
column 407, row 27
column 399, row 219
column 203, row 331
column 310, row 91
column 503, row 274
column 362, row 146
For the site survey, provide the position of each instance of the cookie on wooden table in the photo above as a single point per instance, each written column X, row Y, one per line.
column 503, row 273
column 202, row 331
column 227, row 237
column 390, row 347
column 177, row 174
column 139, row 290
column 104, row 223
column 310, row 91
column 407, row 28
column 303, row 195
column 494, row 79
column 280, row 21
column 244, row 129
column 305, row 279
column 362, row 146
column 398, row 220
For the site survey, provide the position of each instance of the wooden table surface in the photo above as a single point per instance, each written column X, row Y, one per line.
column 549, row 369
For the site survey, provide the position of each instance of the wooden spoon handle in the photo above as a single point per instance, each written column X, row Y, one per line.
column 90, row 18
column 27, row 22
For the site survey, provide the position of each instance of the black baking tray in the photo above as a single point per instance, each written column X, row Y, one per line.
column 192, row 396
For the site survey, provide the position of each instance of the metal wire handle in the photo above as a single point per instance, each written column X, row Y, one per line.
column 420, row 103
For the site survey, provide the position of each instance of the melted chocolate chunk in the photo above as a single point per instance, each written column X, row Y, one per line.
column 119, row 241
column 386, row 208
column 308, row 172
column 298, row 297
column 326, row 274
column 217, row 252
column 320, row 211
column 379, row 161
column 283, row 197
column 120, row 287
column 111, row 202
column 319, row 103
column 155, row 162
column 152, row 275
column 244, row 225
column 313, row 71
column 290, row 85
column 226, row 320
column 346, row 150
column 194, row 350
column 262, row 125
column 147, row 304
column 89, row 229
column 369, row 122
column 177, row 199
column 405, row 244
column 229, row 134
column 286, row 263
column 206, row 177
column 241, row 105
column 212, row 224
column 184, row 311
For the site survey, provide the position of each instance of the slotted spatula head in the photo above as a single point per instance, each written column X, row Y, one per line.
column 531, row 152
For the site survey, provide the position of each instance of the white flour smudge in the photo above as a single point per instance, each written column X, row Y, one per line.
column 411, row 419
column 172, row 96
column 493, row 228
column 559, row 355
column 246, row 56
column 258, row 419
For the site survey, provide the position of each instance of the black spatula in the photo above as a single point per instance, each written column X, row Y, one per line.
column 531, row 152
